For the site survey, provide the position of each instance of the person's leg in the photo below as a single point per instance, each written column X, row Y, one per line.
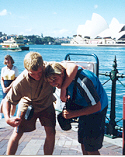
column 49, row 141
column 13, row 143
column 83, row 150
column 89, row 134
column 48, row 120
column 1, row 112
column 94, row 153
column 13, row 109
column 1, row 106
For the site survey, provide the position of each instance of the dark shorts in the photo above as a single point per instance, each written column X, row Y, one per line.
column 46, row 117
column 91, row 130
column 6, row 84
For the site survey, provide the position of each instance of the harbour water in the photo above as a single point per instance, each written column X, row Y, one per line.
column 105, row 55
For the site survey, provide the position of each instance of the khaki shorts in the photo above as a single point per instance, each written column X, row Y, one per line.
column 46, row 117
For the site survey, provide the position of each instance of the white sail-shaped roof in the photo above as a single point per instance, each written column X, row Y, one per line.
column 119, row 35
column 94, row 27
column 98, row 27
column 115, row 27
column 80, row 29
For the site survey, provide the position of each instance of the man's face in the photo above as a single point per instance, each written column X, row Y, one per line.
column 56, row 80
column 36, row 74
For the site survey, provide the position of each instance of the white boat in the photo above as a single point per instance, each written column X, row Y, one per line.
column 14, row 44
column 20, row 42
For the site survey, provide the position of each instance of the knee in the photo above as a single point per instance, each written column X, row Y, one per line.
column 16, row 136
column 51, row 133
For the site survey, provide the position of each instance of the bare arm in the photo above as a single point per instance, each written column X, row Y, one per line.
column 85, row 111
column 2, row 85
column 14, row 121
column 5, row 89
column 71, row 70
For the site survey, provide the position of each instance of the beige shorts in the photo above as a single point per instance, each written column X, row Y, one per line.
column 46, row 117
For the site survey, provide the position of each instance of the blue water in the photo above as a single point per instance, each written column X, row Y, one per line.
column 58, row 53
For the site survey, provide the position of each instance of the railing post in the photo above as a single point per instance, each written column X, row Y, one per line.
column 113, row 77
column 111, row 127
column 123, row 133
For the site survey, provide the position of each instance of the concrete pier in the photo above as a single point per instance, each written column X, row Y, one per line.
column 66, row 142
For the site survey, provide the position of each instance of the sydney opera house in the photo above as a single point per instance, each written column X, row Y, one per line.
column 97, row 32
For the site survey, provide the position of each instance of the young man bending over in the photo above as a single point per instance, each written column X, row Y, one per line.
column 30, row 88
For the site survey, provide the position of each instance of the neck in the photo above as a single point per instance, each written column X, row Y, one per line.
column 10, row 67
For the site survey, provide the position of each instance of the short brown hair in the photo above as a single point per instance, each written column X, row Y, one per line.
column 53, row 68
column 8, row 57
column 32, row 61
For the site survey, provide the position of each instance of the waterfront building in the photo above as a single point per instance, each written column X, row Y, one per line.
column 97, row 31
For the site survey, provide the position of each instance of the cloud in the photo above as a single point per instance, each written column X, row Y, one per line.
column 4, row 12
column 62, row 31
column 59, row 32
column 54, row 13
column 28, row 30
column 95, row 6
column 22, row 17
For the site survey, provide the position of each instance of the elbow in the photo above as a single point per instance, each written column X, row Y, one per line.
column 99, row 106
column 76, row 66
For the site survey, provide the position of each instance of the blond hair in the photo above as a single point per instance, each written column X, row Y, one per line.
column 53, row 68
column 32, row 61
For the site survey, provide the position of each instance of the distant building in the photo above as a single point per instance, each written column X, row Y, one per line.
column 98, row 31
column 0, row 34
column 41, row 35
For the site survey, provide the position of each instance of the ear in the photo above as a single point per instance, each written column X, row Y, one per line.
column 62, row 74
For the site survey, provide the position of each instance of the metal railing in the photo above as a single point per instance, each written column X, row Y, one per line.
column 111, row 128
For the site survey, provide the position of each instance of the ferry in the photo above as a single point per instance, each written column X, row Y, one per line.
column 14, row 44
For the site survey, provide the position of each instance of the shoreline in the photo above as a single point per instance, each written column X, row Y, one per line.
column 95, row 45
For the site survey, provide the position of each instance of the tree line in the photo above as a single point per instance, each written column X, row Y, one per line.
column 33, row 39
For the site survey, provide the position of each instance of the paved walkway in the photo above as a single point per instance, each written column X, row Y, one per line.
column 66, row 142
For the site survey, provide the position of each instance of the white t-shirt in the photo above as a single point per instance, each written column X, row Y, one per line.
column 8, row 74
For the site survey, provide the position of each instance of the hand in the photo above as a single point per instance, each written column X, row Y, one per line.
column 68, row 114
column 63, row 96
column 14, row 121
column 6, row 89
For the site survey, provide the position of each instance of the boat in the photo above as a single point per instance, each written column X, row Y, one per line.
column 20, row 42
column 10, row 47
column 14, row 44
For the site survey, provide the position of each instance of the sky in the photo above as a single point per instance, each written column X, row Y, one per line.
column 55, row 18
